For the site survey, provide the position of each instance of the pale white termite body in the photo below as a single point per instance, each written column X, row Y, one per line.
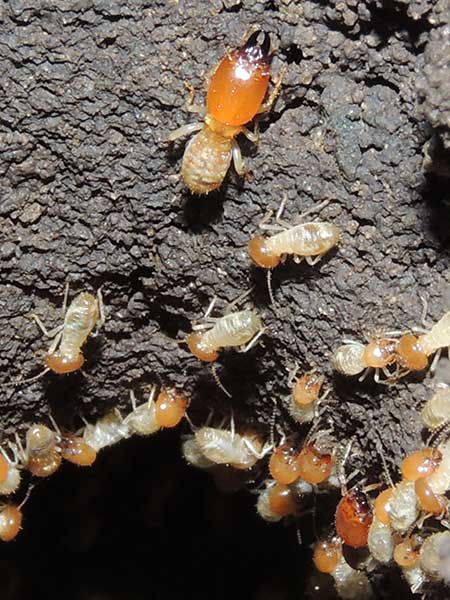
column 404, row 506
column 193, row 455
column 348, row 359
column 263, row 505
column 350, row 583
column 439, row 480
column 235, row 329
column 436, row 411
column 307, row 241
column 142, row 419
column 438, row 337
column 415, row 577
column 106, row 431
column 380, row 541
column 435, row 556
column 222, row 447
column 13, row 478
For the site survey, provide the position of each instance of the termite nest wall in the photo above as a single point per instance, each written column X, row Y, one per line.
column 90, row 193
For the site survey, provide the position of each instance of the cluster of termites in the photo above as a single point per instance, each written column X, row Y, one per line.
column 283, row 474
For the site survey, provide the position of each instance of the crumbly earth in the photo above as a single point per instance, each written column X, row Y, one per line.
column 90, row 194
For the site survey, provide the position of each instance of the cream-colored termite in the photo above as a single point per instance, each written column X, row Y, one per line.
column 304, row 241
column 436, row 411
column 10, row 471
column 234, row 329
column 64, row 355
column 353, row 358
column 305, row 397
column 41, row 455
column 106, row 431
column 435, row 557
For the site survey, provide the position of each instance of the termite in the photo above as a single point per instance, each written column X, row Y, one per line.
column 41, row 455
column 235, row 329
column 106, row 431
column 226, row 447
column 435, row 556
column 305, row 397
column 235, row 96
column 304, row 241
column 166, row 411
column 64, row 355
column 353, row 358
column 9, row 471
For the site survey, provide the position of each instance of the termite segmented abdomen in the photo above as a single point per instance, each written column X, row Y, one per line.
column 79, row 322
column 436, row 411
column 348, row 359
column 437, row 337
column 235, row 329
column 307, row 239
column 206, row 161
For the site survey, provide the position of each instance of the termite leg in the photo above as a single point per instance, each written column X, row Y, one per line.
column 292, row 372
column 253, row 136
column 237, row 301
column 313, row 261
column 48, row 333
column 66, row 298
column 313, row 209
column 435, row 361
column 183, row 131
column 238, row 161
column 190, row 105
column 252, row 342
column 423, row 318
column 298, row 259
column 274, row 93
column 101, row 313
column 280, row 211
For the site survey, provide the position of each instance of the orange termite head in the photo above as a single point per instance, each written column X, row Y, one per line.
column 260, row 253
column 170, row 407
column 307, row 388
column 199, row 349
column 76, row 451
column 327, row 554
column 10, row 522
column 353, row 519
column 410, row 353
column 62, row 364
column 420, row 463
column 240, row 82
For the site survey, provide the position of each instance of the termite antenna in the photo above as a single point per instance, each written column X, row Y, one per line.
column 27, row 495
column 269, row 286
column 217, row 380
column 441, row 434
column 272, row 423
column 21, row 381
column 386, row 472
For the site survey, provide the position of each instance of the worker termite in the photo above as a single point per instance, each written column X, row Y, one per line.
column 235, row 96
column 226, row 447
column 305, row 396
column 242, row 328
column 11, row 519
column 276, row 501
column 353, row 358
column 403, row 506
column 304, row 241
column 64, row 355
column 41, row 455
column 75, row 450
column 350, row 583
column 166, row 411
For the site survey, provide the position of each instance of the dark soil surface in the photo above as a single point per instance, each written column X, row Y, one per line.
column 90, row 193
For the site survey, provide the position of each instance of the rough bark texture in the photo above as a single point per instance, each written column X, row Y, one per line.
column 90, row 193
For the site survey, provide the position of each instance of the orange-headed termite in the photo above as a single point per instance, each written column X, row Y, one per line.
column 305, row 241
column 235, row 96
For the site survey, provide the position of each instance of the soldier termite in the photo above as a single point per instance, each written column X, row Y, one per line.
column 235, row 95
column 64, row 355
column 304, row 241
column 235, row 329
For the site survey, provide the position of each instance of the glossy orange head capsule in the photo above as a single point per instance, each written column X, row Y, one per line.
column 10, row 522
column 407, row 553
column 170, row 407
column 282, row 501
column 410, row 353
column 313, row 466
column 261, row 254
column 199, row 349
column 3, row 468
column 77, row 451
column 283, row 464
column 307, row 388
column 353, row 519
column 379, row 354
column 421, row 463
column 62, row 364
column 382, row 505
column 43, row 458
column 327, row 555
column 240, row 82
column 428, row 500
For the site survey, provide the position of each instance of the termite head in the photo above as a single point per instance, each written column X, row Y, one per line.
column 411, row 355
column 64, row 363
column 260, row 253
column 199, row 349
column 10, row 522
column 43, row 458
column 379, row 353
